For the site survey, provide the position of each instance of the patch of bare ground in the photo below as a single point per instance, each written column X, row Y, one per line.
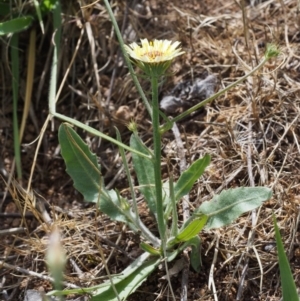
column 252, row 133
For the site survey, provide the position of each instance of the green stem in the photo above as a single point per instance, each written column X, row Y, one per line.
column 166, row 127
column 157, row 160
column 127, row 60
column 96, row 133
column 15, row 87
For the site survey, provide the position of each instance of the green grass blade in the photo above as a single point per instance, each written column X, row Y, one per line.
column 289, row 290
column 39, row 14
column 14, row 44
column 54, row 67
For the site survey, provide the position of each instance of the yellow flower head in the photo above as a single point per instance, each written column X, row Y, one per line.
column 154, row 52
column 155, row 55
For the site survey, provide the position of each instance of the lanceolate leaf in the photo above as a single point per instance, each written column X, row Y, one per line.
column 186, row 181
column 125, row 283
column 223, row 209
column 190, row 176
column 81, row 164
column 195, row 258
column 83, row 168
column 145, row 171
column 192, row 229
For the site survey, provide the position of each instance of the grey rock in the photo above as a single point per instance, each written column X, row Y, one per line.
column 186, row 94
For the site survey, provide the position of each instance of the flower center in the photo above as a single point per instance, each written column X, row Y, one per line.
column 153, row 54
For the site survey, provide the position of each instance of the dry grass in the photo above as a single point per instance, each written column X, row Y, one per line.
column 251, row 132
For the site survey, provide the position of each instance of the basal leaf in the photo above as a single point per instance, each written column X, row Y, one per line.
column 223, row 209
column 190, row 176
column 84, row 170
column 195, row 257
column 192, row 229
column 145, row 171
column 125, row 283
column 131, row 278
column 82, row 165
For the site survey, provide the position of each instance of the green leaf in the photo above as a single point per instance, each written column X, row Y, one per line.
column 55, row 57
column 15, row 64
column 172, row 253
column 83, row 168
column 132, row 277
column 190, row 176
column 223, row 209
column 145, row 171
column 148, row 248
column 289, row 290
column 186, row 181
column 125, row 283
column 192, row 229
column 15, row 25
column 117, row 208
column 82, row 165
column 195, row 258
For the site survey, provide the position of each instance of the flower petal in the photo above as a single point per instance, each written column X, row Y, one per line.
column 156, row 51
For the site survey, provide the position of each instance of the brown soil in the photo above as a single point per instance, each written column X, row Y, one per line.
column 251, row 132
